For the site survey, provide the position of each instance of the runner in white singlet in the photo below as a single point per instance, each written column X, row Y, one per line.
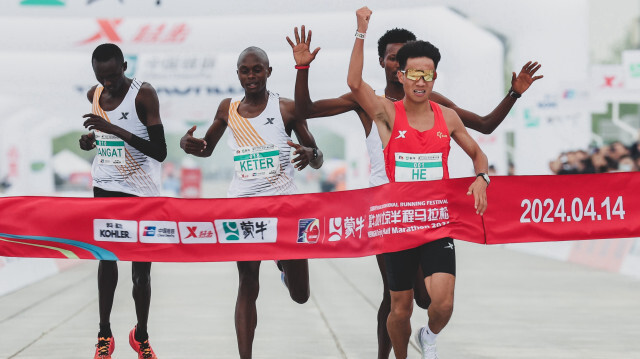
column 261, row 123
column 129, row 140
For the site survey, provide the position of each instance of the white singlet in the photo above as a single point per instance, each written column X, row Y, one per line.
column 118, row 166
column 261, row 154
column 376, row 156
column 378, row 175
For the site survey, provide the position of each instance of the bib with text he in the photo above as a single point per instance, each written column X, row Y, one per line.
column 416, row 167
column 257, row 162
column 110, row 148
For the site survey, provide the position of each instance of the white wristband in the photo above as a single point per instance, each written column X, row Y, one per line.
column 361, row 35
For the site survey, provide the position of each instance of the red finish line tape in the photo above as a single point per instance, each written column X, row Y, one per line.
column 356, row 223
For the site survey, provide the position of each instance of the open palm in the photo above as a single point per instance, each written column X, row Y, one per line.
column 301, row 53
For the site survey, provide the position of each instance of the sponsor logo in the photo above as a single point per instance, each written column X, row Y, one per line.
column 401, row 134
column 158, row 232
column 449, row 245
column 247, row 230
column 150, row 33
column 125, row 114
column 308, row 230
column 149, row 231
column 197, row 232
column 335, row 229
column 269, row 121
column 42, row 2
column 441, row 135
column 114, row 230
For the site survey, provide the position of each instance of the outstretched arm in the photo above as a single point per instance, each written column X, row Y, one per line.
column 375, row 107
column 203, row 147
column 487, row 124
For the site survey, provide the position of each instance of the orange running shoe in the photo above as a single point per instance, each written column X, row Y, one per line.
column 142, row 348
column 104, row 348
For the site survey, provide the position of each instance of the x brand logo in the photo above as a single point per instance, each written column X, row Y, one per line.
column 401, row 134
column 192, row 232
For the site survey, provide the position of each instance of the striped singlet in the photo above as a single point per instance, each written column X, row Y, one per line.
column 118, row 166
column 262, row 157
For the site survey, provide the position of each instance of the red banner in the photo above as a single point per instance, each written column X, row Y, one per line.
column 357, row 223
column 562, row 208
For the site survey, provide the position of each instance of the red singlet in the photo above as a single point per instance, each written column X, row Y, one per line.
column 412, row 155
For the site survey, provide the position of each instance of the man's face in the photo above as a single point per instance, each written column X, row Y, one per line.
column 253, row 73
column 418, row 90
column 389, row 62
column 110, row 74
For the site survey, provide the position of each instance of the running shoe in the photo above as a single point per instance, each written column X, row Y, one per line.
column 104, row 348
column 279, row 265
column 428, row 350
column 142, row 348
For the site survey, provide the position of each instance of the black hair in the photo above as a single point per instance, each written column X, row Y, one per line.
column 106, row 52
column 418, row 48
column 256, row 51
column 394, row 36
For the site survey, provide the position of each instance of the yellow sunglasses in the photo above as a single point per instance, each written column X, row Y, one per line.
column 415, row 75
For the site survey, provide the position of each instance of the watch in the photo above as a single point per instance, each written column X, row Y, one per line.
column 513, row 93
column 315, row 153
column 485, row 177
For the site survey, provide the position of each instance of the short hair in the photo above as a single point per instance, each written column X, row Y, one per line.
column 419, row 48
column 256, row 51
column 394, row 36
column 106, row 52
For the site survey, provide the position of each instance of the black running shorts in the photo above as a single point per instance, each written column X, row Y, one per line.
column 438, row 256
column 99, row 192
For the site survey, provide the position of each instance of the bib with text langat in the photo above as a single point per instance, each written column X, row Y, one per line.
column 110, row 148
column 257, row 162
column 415, row 167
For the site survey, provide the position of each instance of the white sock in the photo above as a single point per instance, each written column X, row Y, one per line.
column 428, row 336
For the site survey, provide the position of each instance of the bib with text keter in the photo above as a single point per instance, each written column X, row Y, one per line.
column 257, row 162
column 416, row 167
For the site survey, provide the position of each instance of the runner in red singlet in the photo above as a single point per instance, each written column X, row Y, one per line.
column 416, row 133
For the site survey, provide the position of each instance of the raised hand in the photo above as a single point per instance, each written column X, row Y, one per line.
column 301, row 49
column 363, row 15
column 88, row 141
column 305, row 155
column 192, row 145
column 525, row 78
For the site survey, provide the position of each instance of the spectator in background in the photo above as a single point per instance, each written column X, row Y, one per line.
column 626, row 164
column 615, row 157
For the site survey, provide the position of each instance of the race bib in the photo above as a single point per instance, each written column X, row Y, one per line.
column 110, row 148
column 416, row 167
column 257, row 162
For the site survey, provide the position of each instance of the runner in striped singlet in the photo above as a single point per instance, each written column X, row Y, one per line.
column 261, row 123
column 129, row 138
